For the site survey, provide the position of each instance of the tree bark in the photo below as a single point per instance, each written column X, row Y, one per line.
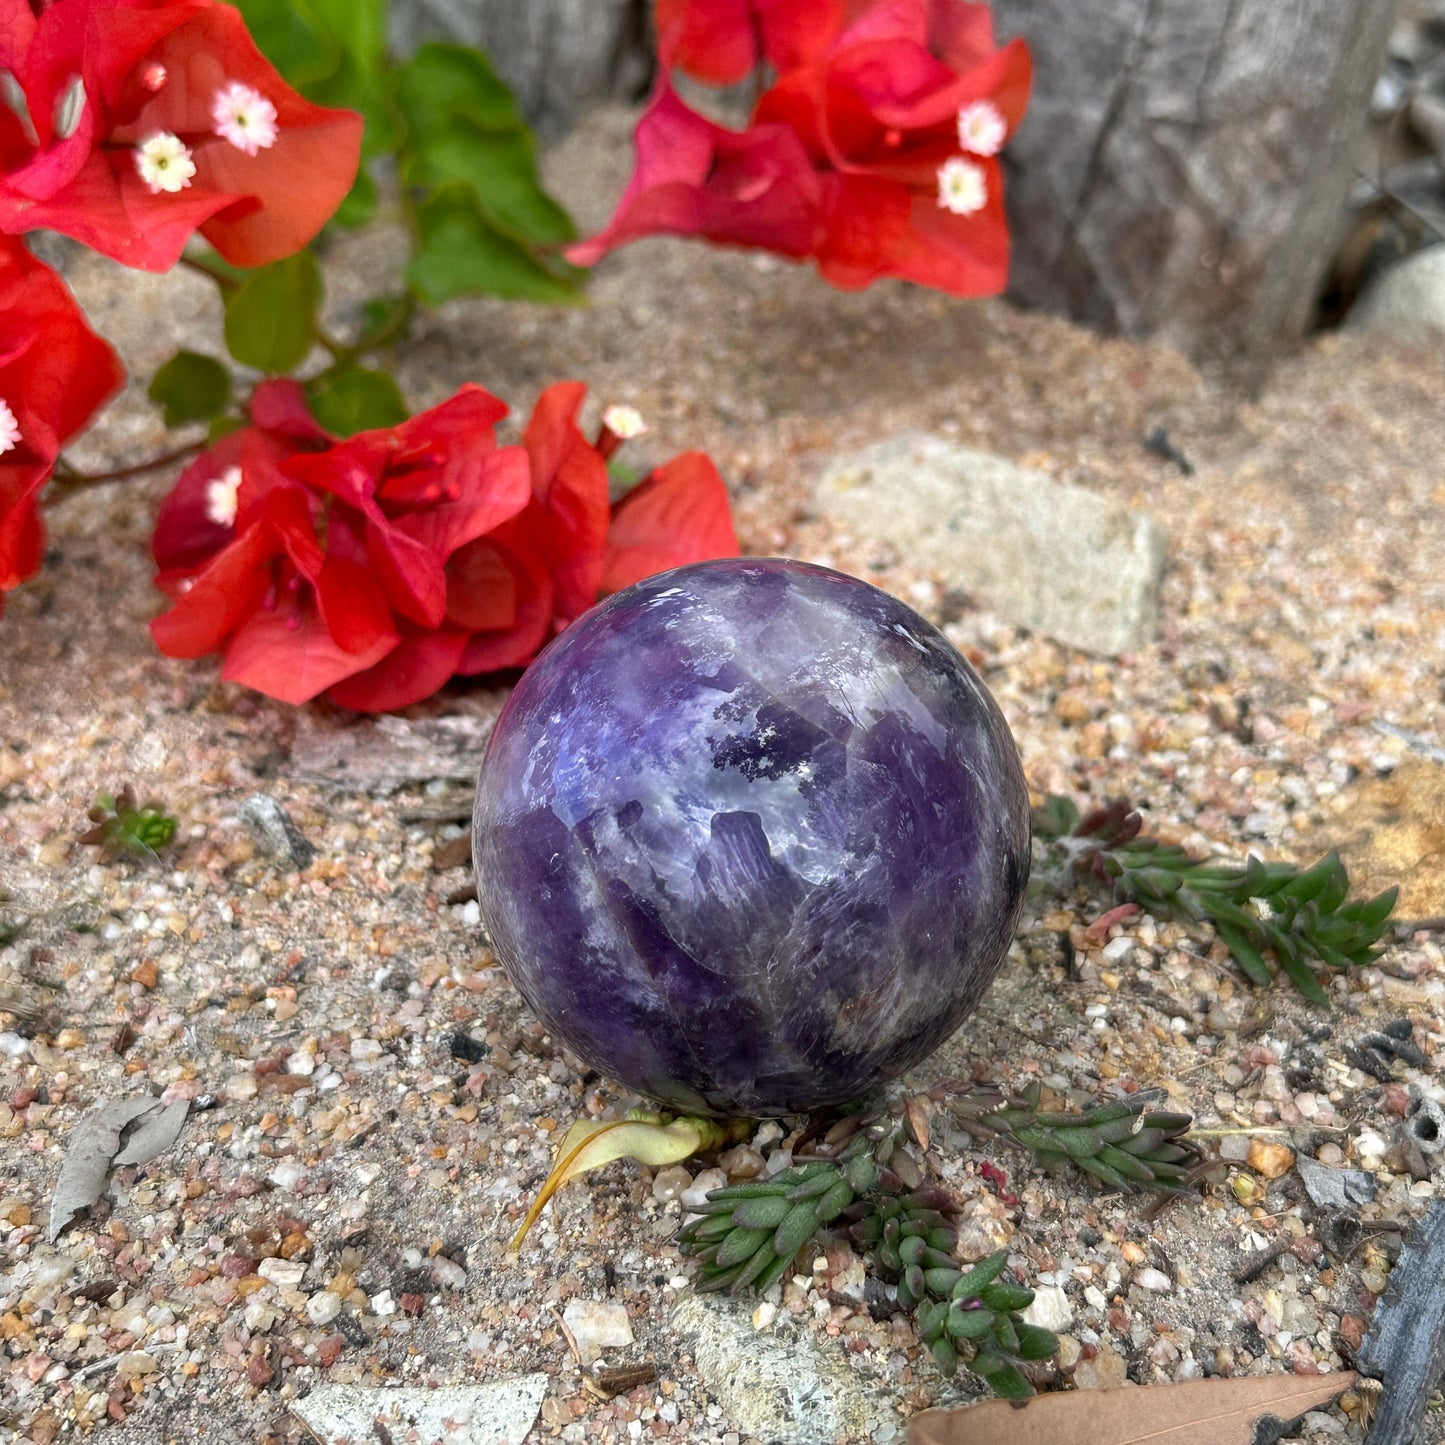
column 557, row 55
column 1182, row 170
column 1181, row 173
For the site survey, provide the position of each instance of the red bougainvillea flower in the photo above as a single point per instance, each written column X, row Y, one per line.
column 569, row 545
column 321, row 566
column 903, row 117
column 374, row 569
column 695, row 178
column 54, row 375
column 130, row 124
column 677, row 514
column 721, row 41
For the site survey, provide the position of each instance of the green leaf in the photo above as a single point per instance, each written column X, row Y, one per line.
column 271, row 319
column 765, row 1213
column 190, row 387
column 1035, row 1342
column 742, row 1244
column 983, row 1273
column 441, row 83
column 358, row 27
column 1305, row 980
column 348, row 399
column 795, row 1231
column 1006, row 1296
column 501, row 168
column 291, row 38
column 1004, row 1380
column 462, row 253
column 967, row 1324
column 358, row 205
column 1246, row 955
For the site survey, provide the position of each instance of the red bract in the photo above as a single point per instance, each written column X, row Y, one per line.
column 695, row 178
column 54, row 375
column 898, row 116
column 376, row 568
column 130, row 124
column 321, row 566
column 720, row 41
column 569, row 545
column 903, row 117
column 677, row 514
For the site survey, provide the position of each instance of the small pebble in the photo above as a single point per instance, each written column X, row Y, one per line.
column 670, row 1183
column 323, row 1307
column 743, row 1162
column 597, row 1325
column 1269, row 1159
column 448, row 1273
column 283, row 1273
column 696, row 1196
column 1154, row 1280
column 134, row 1363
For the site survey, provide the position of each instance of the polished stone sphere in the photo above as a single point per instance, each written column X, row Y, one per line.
column 751, row 837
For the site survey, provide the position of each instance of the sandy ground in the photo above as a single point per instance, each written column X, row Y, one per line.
column 1298, row 668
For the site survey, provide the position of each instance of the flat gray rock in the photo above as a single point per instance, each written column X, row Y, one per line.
column 500, row 1413
column 777, row 1385
column 1057, row 559
column 1408, row 301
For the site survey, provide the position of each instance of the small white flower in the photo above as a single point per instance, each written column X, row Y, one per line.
column 981, row 129
column 624, row 422
column 244, row 117
column 164, row 162
column 962, row 186
column 221, row 497
column 9, row 428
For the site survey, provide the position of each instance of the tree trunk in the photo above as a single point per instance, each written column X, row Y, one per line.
column 1181, row 173
column 557, row 55
column 1183, row 166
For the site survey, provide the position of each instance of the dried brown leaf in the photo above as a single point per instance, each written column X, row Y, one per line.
column 1198, row 1412
column 94, row 1143
column 915, row 1107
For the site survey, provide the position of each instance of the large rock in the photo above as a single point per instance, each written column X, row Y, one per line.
column 783, row 1385
column 1060, row 560
column 1408, row 301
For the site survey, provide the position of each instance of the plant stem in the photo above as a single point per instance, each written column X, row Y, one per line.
column 70, row 478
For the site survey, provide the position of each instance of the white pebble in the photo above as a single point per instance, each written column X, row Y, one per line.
column 323, row 1307
column 448, row 1273
column 597, row 1325
column 301, row 1062
column 671, row 1183
column 382, row 1303
column 283, row 1273
column 1051, row 1309
column 287, row 1175
column 1154, row 1280
column 696, row 1196
column 365, row 1050
column 764, row 1315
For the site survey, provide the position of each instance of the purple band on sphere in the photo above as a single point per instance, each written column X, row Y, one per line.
column 751, row 837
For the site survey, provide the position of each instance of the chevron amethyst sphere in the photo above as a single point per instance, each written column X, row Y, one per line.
column 751, row 837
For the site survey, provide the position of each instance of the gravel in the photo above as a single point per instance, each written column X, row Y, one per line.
column 338, row 1214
